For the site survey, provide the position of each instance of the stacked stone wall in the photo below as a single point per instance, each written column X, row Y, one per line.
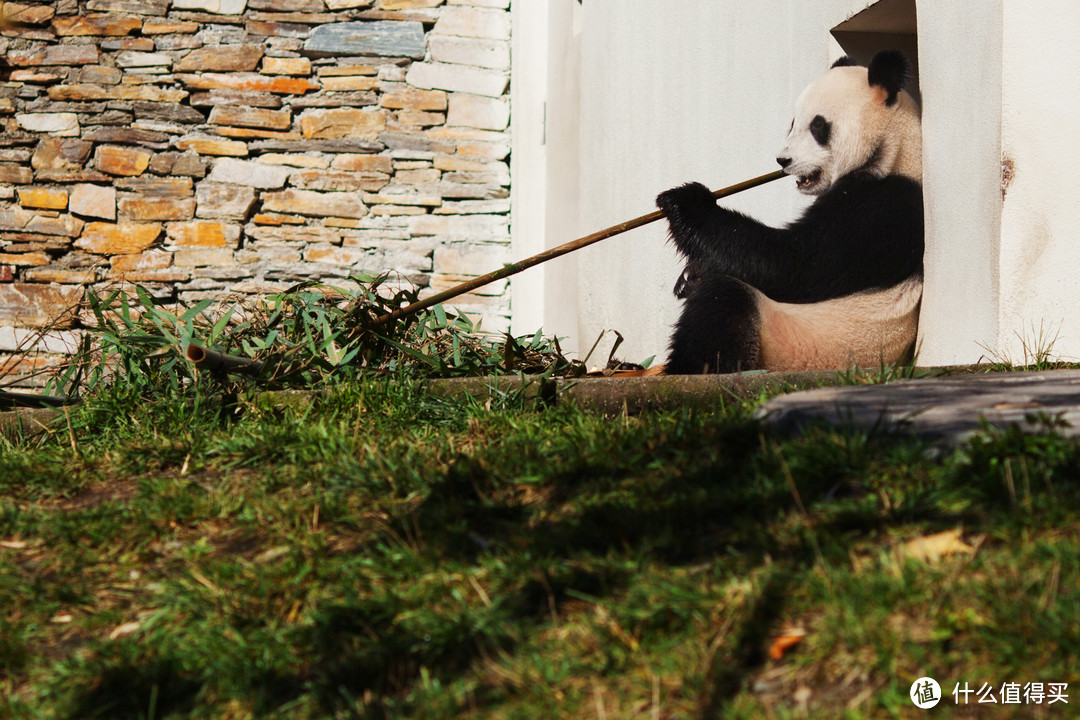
column 215, row 148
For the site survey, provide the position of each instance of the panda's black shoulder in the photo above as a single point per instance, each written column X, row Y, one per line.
column 864, row 193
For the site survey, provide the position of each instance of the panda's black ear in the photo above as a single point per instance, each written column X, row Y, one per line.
column 846, row 61
column 891, row 70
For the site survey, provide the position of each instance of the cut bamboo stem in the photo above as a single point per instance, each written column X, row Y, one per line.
column 207, row 359
column 542, row 257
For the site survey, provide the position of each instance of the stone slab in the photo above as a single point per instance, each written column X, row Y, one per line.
column 382, row 37
column 948, row 409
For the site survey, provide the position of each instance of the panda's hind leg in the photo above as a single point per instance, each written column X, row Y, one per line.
column 718, row 330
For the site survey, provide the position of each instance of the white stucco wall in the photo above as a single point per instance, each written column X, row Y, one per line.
column 1040, row 222
column 703, row 90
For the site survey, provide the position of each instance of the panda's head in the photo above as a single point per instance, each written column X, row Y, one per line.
column 851, row 119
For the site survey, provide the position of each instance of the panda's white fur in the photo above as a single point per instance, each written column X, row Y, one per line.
column 842, row 285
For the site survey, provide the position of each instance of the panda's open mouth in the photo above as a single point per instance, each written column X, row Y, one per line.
column 808, row 181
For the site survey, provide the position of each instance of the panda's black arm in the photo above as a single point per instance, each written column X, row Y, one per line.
column 864, row 233
column 717, row 239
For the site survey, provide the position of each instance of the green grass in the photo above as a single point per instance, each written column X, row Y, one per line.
column 382, row 553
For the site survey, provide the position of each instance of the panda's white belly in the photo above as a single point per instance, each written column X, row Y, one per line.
column 862, row 330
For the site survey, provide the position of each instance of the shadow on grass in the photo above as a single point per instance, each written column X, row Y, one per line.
column 721, row 497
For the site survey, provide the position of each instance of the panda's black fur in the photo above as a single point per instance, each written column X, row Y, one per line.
column 863, row 234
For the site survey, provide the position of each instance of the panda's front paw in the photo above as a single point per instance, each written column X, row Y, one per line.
column 685, row 197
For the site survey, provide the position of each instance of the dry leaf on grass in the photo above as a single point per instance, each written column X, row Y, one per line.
column 788, row 638
column 932, row 548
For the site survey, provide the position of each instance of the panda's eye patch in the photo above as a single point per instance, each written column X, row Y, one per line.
column 820, row 128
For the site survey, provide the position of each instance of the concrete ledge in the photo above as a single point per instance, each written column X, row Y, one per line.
column 613, row 395
column 27, row 421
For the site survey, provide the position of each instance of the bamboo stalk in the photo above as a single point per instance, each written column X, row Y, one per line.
column 207, row 359
column 552, row 253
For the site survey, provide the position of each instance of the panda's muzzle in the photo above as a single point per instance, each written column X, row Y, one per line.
column 806, row 181
column 802, row 182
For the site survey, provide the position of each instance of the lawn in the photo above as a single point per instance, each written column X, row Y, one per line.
column 383, row 553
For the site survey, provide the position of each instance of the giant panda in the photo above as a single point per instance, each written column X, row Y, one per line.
column 840, row 286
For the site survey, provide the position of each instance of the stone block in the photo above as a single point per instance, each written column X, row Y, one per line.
column 95, row 24
column 172, row 187
column 150, row 208
column 341, row 70
column 419, row 119
column 241, row 116
column 98, row 74
column 153, row 259
column 170, row 112
column 27, row 259
column 498, row 4
column 163, row 26
column 494, row 54
column 203, row 233
column 313, row 203
column 132, row 59
column 425, row 177
column 463, row 227
column 11, row 174
column 473, row 22
column 287, row 5
column 133, row 44
column 334, row 99
column 408, row 4
column 97, row 201
column 60, row 124
column 397, row 210
column 134, row 7
column 402, row 198
column 207, row 145
column 54, row 55
column 363, row 163
column 187, row 164
column 116, row 160
column 247, row 81
column 335, row 255
column 458, row 78
column 349, row 83
column 81, row 92
column 250, row 172
column 295, row 160
column 65, row 225
column 219, row 7
column 34, row 77
column 221, row 58
column 414, row 100
column 129, row 136
column 342, row 123
column 286, row 66
column 251, row 98
column 480, row 112
column 381, row 37
column 43, row 198
column 60, row 275
column 121, row 238
column 35, row 305
column 470, row 259
column 243, row 133
column 27, row 14
column 203, row 257
column 474, row 207
column 221, row 200
column 339, row 180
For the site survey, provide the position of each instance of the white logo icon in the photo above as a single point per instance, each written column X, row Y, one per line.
column 925, row 693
